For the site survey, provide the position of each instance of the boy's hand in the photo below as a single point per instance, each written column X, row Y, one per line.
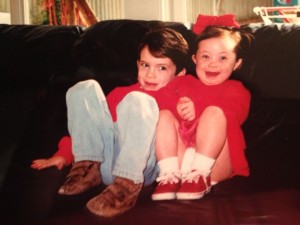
column 57, row 161
column 186, row 109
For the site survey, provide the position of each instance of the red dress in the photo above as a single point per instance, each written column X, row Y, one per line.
column 231, row 96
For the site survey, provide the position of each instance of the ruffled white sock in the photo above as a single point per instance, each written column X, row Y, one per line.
column 203, row 163
column 187, row 161
column 168, row 165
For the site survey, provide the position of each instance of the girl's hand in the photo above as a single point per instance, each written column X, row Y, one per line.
column 186, row 108
column 57, row 161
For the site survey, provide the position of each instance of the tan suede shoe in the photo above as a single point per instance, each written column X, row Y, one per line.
column 83, row 176
column 115, row 199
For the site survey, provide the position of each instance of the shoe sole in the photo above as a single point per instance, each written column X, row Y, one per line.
column 164, row 196
column 191, row 196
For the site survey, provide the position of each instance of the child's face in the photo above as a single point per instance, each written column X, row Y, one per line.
column 154, row 73
column 215, row 60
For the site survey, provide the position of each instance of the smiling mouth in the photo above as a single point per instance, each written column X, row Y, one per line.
column 212, row 74
column 150, row 84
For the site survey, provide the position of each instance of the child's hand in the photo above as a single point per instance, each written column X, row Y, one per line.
column 57, row 161
column 186, row 109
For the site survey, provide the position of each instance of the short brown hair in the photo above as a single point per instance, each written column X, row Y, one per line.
column 167, row 43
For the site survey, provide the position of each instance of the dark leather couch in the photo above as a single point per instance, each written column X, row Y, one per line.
column 39, row 63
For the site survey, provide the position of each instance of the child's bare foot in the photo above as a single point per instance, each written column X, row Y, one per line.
column 57, row 161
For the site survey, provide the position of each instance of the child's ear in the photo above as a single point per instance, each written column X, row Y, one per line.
column 194, row 58
column 182, row 72
column 238, row 64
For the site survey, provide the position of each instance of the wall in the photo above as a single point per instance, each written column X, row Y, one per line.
column 108, row 9
column 5, row 18
column 143, row 9
column 243, row 9
column 185, row 11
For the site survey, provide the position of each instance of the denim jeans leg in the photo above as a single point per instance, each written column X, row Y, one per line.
column 89, row 121
column 137, row 117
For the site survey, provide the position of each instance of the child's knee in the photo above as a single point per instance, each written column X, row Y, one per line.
column 166, row 114
column 84, row 85
column 213, row 111
column 140, row 101
column 83, row 88
column 138, row 97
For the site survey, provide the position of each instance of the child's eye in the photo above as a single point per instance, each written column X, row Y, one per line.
column 162, row 68
column 204, row 56
column 143, row 64
column 222, row 58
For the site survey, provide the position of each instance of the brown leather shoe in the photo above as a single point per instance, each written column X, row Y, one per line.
column 115, row 199
column 83, row 176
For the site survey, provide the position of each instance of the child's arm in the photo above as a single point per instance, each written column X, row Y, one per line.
column 186, row 109
column 57, row 161
column 63, row 157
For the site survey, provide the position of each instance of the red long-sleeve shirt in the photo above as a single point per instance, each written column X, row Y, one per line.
column 231, row 96
column 113, row 99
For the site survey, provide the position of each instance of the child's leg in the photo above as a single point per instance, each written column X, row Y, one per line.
column 222, row 169
column 91, row 128
column 135, row 162
column 211, row 155
column 168, row 142
column 166, row 136
column 89, row 121
column 211, row 142
column 137, row 120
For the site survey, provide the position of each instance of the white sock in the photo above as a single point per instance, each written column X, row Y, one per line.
column 187, row 161
column 168, row 165
column 203, row 164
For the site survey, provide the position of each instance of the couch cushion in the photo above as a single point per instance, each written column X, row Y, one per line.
column 272, row 70
column 34, row 54
column 107, row 51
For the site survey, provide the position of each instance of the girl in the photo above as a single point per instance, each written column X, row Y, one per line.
column 199, row 139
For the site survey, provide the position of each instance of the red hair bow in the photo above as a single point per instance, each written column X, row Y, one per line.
column 204, row 21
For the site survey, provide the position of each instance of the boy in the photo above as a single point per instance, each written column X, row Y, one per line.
column 112, row 139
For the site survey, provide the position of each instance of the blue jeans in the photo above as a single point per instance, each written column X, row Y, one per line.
column 125, row 148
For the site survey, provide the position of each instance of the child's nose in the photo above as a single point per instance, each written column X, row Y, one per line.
column 151, row 73
column 213, row 64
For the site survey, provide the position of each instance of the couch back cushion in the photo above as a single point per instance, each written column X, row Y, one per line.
column 107, row 51
column 35, row 54
column 272, row 69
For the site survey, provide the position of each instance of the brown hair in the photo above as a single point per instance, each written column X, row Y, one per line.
column 243, row 39
column 167, row 43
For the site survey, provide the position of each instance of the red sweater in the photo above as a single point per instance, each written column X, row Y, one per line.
column 113, row 99
column 231, row 96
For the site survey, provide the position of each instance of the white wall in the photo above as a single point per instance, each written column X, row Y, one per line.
column 143, row 9
column 166, row 10
column 185, row 11
column 5, row 18
column 19, row 12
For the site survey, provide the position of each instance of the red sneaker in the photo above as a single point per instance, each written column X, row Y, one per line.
column 167, row 187
column 194, row 186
